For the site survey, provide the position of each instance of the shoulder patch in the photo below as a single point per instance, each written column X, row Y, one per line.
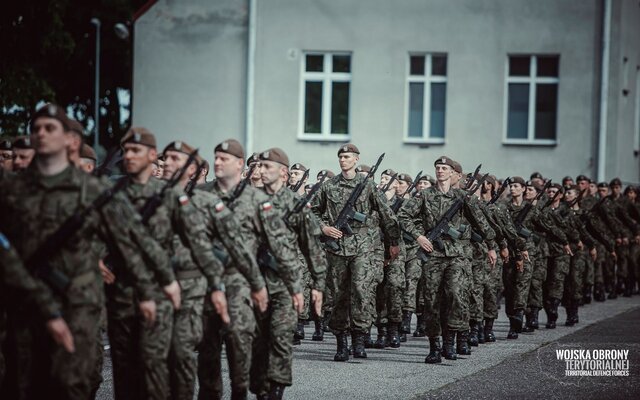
column 219, row 206
column 4, row 242
column 266, row 206
column 183, row 200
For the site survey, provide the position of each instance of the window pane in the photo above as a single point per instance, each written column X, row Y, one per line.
column 313, row 107
column 438, row 106
column 546, row 109
column 315, row 63
column 519, row 65
column 439, row 65
column 342, row 63
column 417, row 65
column 416, row 109
column 548, row 66
column 518, row 117
column 340, row 108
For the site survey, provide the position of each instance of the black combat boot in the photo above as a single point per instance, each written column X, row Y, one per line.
column 552, row 313
column 462, row 343
column 381, row 341
column 599, row 294
column 574, row 313
column 534, row 318
column 513, row 334
column 628, row 288
column 569, row 310
column 239, row 394
column 403, row 337
column 368, row 342
column 392, row 336
column 405, row 326
column 473, row 336
column 434, row 351
column 325, row 321
column 299, row 334
column 586, row 294
column 318, row 334
column 421, row 328
column 620, row 286
column 518, row 319
column 277, row 390
column 358, row 346
column 489, row 336
column 342, row 354
column 448, row 349
column 480, row 329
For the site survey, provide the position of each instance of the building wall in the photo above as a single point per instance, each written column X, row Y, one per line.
column 189, row 71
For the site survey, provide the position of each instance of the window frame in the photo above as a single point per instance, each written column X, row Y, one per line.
column 327, row 77
column 427, row 79
column 532, row 80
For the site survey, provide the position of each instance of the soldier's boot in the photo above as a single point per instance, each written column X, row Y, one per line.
column 239, row 394
column 421, row 328
column 620, row 287
column 613, row 292
column 473, row 336
column 434, row 356
column 325, row 321
column 342, row 354
column 403, row 337
column 462, row 343
column 392, row 336
column 405, row 326
column 318, row 334
column 513, row 334
column 480, row 329
column 368, row 342
column 299, row 334
column 628, row 288
column 599, row 294
column 276, row 392
column 296, row 341
column 552, row 313
column 574, row 313
column 358, row 346
column 381, row 340
column 489, row 336
column 534, row 318
column 569, row 309
column 448, row 348
column 518, row 320
column 586, row 294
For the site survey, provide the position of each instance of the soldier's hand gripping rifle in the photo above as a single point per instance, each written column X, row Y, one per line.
column 522, row 215
column 443, row 227
column 498, row 194
column 297, row 186
column 302, row 203
column 399, row 201
column 152, row 204
column 39, row 260
column 348, row 212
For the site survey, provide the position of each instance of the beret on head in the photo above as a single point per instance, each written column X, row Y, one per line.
column 424, row 178
column 51, row 111
column 603, row 185
column 231, row 146
column 457, row 167
column 139, row 135
column 405, row 178
column 5, row 145
column 536, row 175
column 329, row 173
column 76, row 127
column 388, row 171
column 179, row 146
column 298, row 167
column 615, row 182
column 536, row 185
column 275, row 154
column 582, row 178
column 348, row 148
column 572, row 187
column 444, row 160
column 87, row 152
column 518, row 179
column 491, row 179
column 22, row 142
column 253, row 159
column 363, row 168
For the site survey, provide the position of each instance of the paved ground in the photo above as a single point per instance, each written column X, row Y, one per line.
column 526, row 367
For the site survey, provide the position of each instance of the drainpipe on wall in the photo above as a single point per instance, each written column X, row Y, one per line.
column 251, row 54
column 604, row 91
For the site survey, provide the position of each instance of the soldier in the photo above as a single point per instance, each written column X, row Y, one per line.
column 620, row 208
column 23, row 153
column 324, row 172
column 349, row 261
column 88, row 158
column 6, row 155
column 255, row 176
column 158, row 167
column 37, row 203
column 304, row 232
column 424, row 182
column 295, row 174
column 444, row 270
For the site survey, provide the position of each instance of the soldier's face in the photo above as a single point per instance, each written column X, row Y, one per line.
column 593, row 189
column 583, row 184
column 570, row 195
column 23, row 158
column 384, row 179
column 271, row 172
column 256, row 176
column 632, row 195
column 173, row 161
column 616, row 190
column 402, row 188
column 295, row 176
column 137, row 157
column 530, row 193
column 348, row 161
column 159, row 171
column 551, row 192
column 443, row 172
column 6, row 159
column 227, row 166
column 423, row 185
column 48, row 137
column 603, row 191
column 516, row 189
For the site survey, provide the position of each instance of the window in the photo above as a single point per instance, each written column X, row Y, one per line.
column 532, row 99
column 427, row 95
column 326, row 88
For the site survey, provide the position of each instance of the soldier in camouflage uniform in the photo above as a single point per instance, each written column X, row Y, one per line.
column 303, row 232
column 36, row 203
column 622, row 209
column 243, row 280
column 444, row 272
column 6, row 155
column 350, row 261
column 23, row 153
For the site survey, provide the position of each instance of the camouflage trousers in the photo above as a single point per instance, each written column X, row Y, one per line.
column 479, row 285
column 306, row 292
column 329, row 290
column 353, row 279
column 493, row 280
column 558, row 269
column 573, row 288
column 238, row 338
column 273, row 347
column 609, row 271
column 589, row 273
column 538, row 277
column 446, row 294
column 377, row 265
column 516, row 286
column 598, row 265
column 412, row 275
column 622, row 262
column 187, row 334
column 390, row 290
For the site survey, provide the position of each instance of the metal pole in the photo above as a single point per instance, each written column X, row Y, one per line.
column 96, row 101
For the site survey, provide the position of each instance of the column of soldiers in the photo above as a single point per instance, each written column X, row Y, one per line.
column 172, row 267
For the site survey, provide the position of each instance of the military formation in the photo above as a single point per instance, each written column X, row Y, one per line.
column 173, row 268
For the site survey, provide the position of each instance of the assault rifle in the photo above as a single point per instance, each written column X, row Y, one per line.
column 111, row 160
column 191, row 185
column 552, row 199
column 243, row 184
column 443, row 226
column 305, row 200
column 39, row 260
column 296, row 187
column 522, row 215
column 399, row 201
column 501, row 190
column 155, row 201
column 348, row 212
column 388, row 185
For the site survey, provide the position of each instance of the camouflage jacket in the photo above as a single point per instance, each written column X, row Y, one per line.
column 332, row 197
column 537, row 222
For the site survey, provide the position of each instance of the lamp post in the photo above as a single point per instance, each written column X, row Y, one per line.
column 96, row 101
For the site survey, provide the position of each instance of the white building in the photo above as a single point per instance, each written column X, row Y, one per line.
column 513, row 84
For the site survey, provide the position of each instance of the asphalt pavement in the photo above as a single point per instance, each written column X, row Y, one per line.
column 523, row 368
